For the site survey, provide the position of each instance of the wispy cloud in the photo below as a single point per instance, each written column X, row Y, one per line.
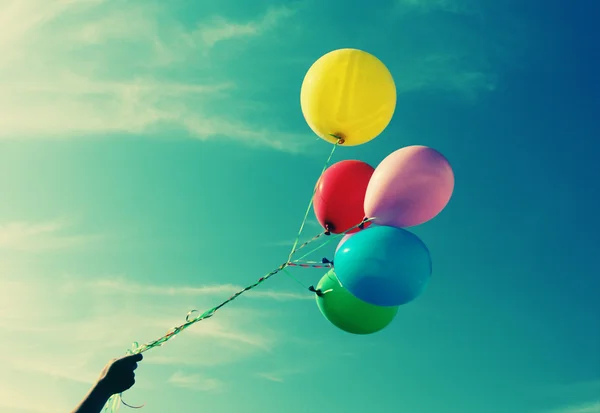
column 577, row 389
column 311, row 228
column 288, row 244
column 46, row 400
column 67, row 72
column 220, row 29
column 451, row 6
column 279, row 376
column 40, row 236
column 61, row 329
column 311, row 222
column 65, row 328
column 195, row 382
column 593, row 407
column 75, row 69
column 456, row 56
column 579, row 396
column 274, row 377
column 120, row 286
column 447, row 72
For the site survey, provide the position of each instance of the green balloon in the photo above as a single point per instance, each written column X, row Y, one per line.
column 349, row 313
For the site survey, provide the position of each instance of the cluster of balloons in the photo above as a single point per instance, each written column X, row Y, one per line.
column 348, row 97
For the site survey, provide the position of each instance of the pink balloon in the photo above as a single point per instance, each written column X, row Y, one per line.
column 409, row 187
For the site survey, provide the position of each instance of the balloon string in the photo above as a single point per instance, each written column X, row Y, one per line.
column 289, row 274
column 310, row 241
column 310, row 203
column 309, row 264
column 130, row 406
column 295, row 247
column 209, row 313
column 333, row 238
column 113, row 403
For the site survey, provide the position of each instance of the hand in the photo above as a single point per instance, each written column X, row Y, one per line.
column 118, row 375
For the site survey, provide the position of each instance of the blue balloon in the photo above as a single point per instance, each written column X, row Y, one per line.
column 383, row 265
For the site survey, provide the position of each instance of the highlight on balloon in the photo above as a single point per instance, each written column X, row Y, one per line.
column 348, row 98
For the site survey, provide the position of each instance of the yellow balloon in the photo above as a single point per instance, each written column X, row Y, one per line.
column 348, row 94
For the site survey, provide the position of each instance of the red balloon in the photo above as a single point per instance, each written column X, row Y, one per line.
column 340, row 195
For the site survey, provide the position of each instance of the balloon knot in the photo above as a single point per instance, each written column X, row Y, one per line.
column 339, row 137
column 326, row 261
column 364, row 221
column 314, row 290
column 328, row 229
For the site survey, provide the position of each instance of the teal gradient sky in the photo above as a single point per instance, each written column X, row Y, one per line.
column 154, row 158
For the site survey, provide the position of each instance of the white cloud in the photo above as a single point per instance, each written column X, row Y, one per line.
column 220, row 29
column 441, row 71
column 72, row 69
column 280, row 375
column 63, row 329
column 576, row 389
column 195, row 382
column 119, row 286
column 46, row 399
column 83, row 313
column 62, row 352
column 451, row 6
column 449, row 59
column 274, row 377
column 40, row 236
column 75, row 69
column 289, row 243
column 593, row 407
column 311, row 229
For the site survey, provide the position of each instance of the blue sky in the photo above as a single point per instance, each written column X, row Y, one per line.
column 153, row 158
